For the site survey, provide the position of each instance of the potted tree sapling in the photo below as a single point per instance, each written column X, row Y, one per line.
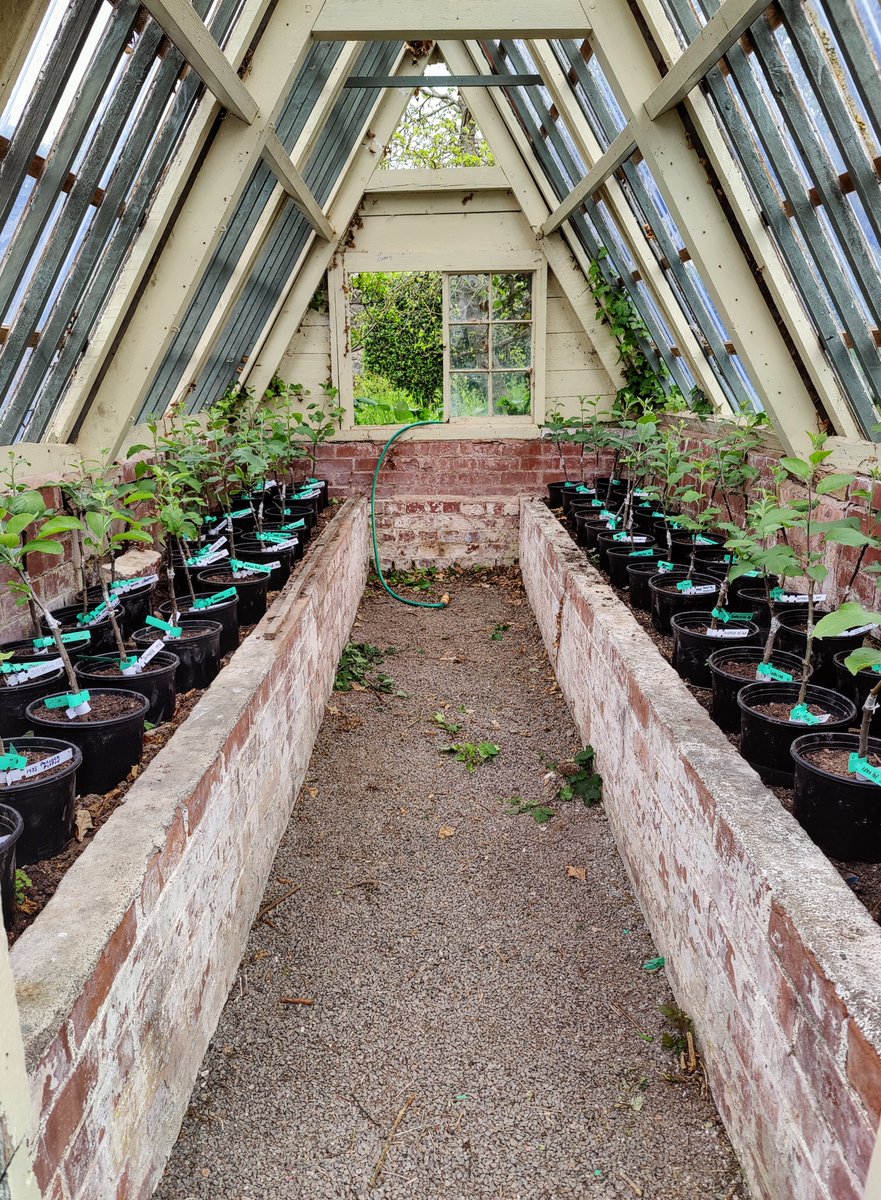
column 838, row 774
column 556, row 429
column 38, row 774
column 772, row 716
column 620, row 546
column 106, row 723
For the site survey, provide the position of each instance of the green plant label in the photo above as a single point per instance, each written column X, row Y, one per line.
column 92, row 618
column 172, row 630
column 295, row 524
column 862, row 767
column 23, row 672
column 751, row 575
column 67, row 638
column 216, row 598
column 877, row 668
column 721, row 614
column 623, row 536
column 596, row 504
column 238, row 566
column 582, row 490
column 132, row 665
column 68, row 700
column 767, row 671
column 604, row 512
column 126, row 585
column 659, row 514
column 641, row 553
column 242, row 512
column 663, row 565
column 12, row 761
column 742, row 616
column 802, row 715
column 311, row 479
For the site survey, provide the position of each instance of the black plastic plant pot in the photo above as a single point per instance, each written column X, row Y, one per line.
column 15, row 699
column 621, row 557
column 793, row 637
column 198, row 652
column 694, row 642
column 857, row 687
column 683, row 545
column 727, row 681
column 712, row 563
column 266, row 553
column 155, row 681
column 242, row 521
column 751, row 583
column 639, row 572
column 614, row 541
column 225, row 612
column 568, row 493
column 101, row 630
column 838, row 810
column 296, row 510
column 135, row 604
column 644, row 519
column 11, row 826
column 667, row 599
column 555, row 492
column 588, row 530
column 110, row 746
column 766, row 740
column 251, row 590
column 45, row 803
column 756, row 598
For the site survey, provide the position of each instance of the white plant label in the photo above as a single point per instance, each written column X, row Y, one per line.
column 285, row 545
column 702, row 589
column 640, row 539
column 46, row 764
column 125, row 585
column 275, row 565
column 728, row 633
column 219, row 528
column 34, row 672
column 801, row 599
column 215, row 546
column 150, row 653
column 79, row 711
column 862, row 629
column 212, row 558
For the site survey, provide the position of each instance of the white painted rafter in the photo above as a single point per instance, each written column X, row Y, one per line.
column 607, row 164
column 295, row 185
column 428, row 20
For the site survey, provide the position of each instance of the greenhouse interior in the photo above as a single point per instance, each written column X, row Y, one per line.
column 441, row 476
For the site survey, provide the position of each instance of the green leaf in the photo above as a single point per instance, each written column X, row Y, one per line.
column 132, row 535
column 864, row 657
column 39, row 546
column 59, row 524
column 846, row 535
column 19, row 523
column 849, row 616
column 796, row 466
column 833, row 483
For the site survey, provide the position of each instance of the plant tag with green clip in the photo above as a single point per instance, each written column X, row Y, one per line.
column 44, row 643
column 623, row 536
column 862, row 767
column 172, row 631
column 280, row 540
column 606, row 515
column 242, row 512
column 24, row 672
column 700, row 540
column 131, row 665
column 203, row 602
column 801, row 715
column 582, row 490
column 640, row 553
column 721, row 614
column 239, row 567
column 126, row 585
column 659, row 514
column 687, row 588
column 47, row 764
column 76, row 703
column 664, row 566
column 295, row 524
column 767, row 671
column 12, row 761
column 149, row 654
column 596, row 504
column 93, row 617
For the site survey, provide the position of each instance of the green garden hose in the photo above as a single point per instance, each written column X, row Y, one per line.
column 385, row 450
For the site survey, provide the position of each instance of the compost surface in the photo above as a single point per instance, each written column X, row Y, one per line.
column 443, row 999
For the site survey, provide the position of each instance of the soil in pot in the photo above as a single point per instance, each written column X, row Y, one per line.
column 857, row 688
column 756, row 598
column 110, row 735
column 15, row 697
column 839, row 809
column 45, row 797
column 694, row 640
column 10, row 831
column 101, row 629
column 252, row 588
column 37, row 649
column 197, row 649
column 668, row 598
column 732, row 668
column 767, row 733
column 155, row 681
column 224, row 611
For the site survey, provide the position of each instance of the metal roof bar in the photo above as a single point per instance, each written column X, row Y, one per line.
column 192, row 37
column 385, row 81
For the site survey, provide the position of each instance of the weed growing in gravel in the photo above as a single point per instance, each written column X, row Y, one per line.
column 419, row 578
column 677, row 1041
column 499, row 630
column 447, row 726
column 540, row 813
column 23, row 881
column 583, row 782
column 472, row 754
column 358, row 670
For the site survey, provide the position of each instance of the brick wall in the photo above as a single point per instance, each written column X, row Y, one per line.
column 766, row 947
column 122, row 979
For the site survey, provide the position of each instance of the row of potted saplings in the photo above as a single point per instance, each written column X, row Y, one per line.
column 778, row 661
column 119, row 665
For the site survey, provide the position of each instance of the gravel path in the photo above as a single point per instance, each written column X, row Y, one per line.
column 456, row 965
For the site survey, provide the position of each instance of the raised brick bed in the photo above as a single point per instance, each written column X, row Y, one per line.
column 767, row 949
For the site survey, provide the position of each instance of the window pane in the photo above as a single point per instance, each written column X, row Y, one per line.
column 512, row 297
column 469, row 395
column 512, row 394
column 469, row 297
column 469, row 347
column 512, row 345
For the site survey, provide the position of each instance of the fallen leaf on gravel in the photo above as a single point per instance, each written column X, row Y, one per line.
column 637, row 1101
column 358, row 687
column 260, row 954
column 446, row 831
column 577, row 873
column 205, row 1172
column 313, row 791
column 83, row 823
column 334, row 712
column 403, row 810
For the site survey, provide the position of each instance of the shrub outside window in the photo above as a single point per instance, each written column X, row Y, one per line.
column 490, row 340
